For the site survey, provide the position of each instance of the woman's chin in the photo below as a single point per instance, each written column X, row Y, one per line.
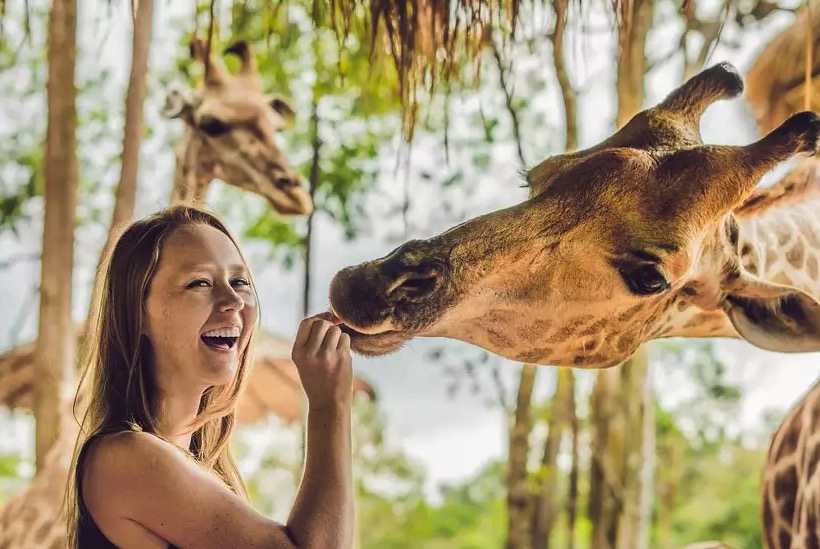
column 219, row 367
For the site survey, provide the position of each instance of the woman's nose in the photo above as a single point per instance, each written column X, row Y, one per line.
column 229, row 300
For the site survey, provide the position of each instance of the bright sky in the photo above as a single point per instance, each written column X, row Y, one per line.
column 452, row 436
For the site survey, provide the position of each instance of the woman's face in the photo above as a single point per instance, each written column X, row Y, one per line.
column 200, row 309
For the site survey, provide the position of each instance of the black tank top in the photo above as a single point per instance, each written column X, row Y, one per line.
column 90, row 536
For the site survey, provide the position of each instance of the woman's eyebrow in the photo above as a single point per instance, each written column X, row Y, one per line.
column 210, row 266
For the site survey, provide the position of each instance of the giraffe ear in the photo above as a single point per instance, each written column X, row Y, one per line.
column 282, row 106
column 178, row 103
column 774, row 317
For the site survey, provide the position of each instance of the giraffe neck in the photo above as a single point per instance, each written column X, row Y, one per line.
column 35, row 517
column 790, row 487
column 194, row 169
column 781, row 243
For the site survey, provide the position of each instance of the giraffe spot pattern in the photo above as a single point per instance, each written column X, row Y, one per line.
column 784, row 538
column 625, row 343
column 785, row 490
column 581, row 360
column 811, row 267
column 498, row 339
column 594, row 328
column 783, row 237
column 812, row 540
column 534, row 355
column 788, row 444
column 630, row 313
column 768, row 524
column 771, row 258
column 796, row 254
column 535, row 331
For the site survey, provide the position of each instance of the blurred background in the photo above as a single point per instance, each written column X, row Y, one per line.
column 446, row 435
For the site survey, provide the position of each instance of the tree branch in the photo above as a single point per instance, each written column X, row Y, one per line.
column 502, row 80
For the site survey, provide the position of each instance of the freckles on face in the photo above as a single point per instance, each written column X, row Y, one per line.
column 201, row 309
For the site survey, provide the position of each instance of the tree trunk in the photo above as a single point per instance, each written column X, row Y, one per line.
column 518, row 491
column 604, row 481
column 124, row 203
column 618, row 497
column 632, row 64
column 572, row 498
column 545, row 512
column 55, row 342
column 312, row 184
column 633, row 520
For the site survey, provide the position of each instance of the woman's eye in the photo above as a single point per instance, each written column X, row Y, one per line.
column 242, row 282
column 199, row 284
column 645, row 280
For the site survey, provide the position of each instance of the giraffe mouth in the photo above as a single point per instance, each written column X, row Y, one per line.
column 374, row 343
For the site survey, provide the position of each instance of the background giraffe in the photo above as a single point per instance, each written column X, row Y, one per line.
column 790, row 480
column 248, row 159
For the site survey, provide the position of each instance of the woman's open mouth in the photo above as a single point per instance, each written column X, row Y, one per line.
column 220, row 343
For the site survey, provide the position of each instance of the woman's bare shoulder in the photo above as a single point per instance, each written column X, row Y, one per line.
column 126, row 453
column 140, row 478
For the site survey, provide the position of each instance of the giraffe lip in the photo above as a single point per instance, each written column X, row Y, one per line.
column 379, row 344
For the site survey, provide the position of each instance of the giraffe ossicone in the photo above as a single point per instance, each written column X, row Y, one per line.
column 633, row 239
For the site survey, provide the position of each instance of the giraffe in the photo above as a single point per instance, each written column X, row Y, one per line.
column 229, row 134
column 790, row 481
column 230, row 127
column 749, row 266
column 649, row 234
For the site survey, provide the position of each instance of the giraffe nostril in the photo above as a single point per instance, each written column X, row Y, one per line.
column 416, row 285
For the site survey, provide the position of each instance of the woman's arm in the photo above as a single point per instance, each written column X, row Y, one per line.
column 136, row 477
column 323, row 514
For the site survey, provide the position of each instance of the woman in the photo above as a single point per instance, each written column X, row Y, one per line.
column 166, row 364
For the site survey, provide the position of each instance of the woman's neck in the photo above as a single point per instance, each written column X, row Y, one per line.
column 174, row 413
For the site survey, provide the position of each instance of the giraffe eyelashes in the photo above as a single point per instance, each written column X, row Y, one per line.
column 644, row 280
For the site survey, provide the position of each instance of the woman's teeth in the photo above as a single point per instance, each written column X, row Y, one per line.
column 223, row 332
column 222, row 338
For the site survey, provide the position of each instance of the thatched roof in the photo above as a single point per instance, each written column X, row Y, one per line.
column 776, row 83
column 430, row 43
column 273, row 387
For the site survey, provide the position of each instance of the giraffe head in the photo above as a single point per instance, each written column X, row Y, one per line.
column 235, row 122
column 611, row 247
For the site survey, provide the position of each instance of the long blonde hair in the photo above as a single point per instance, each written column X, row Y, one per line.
column 115, row 387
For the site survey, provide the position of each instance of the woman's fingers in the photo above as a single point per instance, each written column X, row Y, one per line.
column 332, row 336
column 344, row 343
column 317, row 335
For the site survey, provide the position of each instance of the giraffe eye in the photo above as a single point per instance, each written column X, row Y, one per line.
column 213, row 126
column 645, row 280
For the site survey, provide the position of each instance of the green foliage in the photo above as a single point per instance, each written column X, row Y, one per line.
column 23, row 72
column 471, row 515
column 707, row 478
column 22, row 77
column 720, row 498
column 347, row 108
column 281, row 235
